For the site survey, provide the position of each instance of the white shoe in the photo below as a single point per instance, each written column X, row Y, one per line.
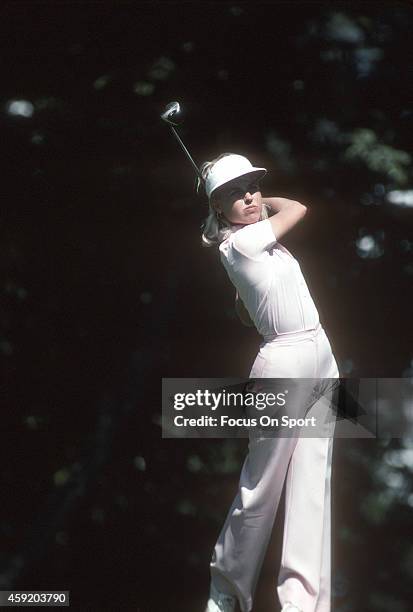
column 289, row 607
column 220, row 602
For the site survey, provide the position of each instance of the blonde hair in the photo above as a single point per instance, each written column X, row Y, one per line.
column 217, row 228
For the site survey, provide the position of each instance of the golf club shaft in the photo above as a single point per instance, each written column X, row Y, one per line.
column 186, row 152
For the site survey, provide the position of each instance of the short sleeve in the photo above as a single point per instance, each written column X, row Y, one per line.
column 254, row 239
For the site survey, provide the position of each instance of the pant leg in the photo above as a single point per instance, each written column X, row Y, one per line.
column 305, row 561
column 242, row 543
column 305, row 572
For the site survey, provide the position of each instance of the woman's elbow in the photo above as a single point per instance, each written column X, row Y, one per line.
column 303, row 209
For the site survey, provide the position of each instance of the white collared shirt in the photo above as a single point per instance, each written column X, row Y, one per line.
column 269, row 280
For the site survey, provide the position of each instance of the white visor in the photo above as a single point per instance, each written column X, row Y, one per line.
column 229, row 168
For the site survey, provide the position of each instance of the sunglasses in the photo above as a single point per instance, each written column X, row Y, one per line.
column 240, row 189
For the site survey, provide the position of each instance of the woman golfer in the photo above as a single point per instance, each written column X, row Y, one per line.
column 272, row 295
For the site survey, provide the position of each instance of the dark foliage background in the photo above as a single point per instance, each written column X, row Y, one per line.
column 105, row 289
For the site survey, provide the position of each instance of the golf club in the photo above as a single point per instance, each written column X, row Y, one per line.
column 172, row 116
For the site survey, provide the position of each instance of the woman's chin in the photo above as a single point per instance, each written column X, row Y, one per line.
column 252, row 218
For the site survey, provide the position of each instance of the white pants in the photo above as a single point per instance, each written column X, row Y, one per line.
column 305, row 573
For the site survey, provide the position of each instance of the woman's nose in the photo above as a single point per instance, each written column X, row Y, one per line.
column 248, row 196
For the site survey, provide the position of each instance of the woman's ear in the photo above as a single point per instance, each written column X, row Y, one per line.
column 215, row 204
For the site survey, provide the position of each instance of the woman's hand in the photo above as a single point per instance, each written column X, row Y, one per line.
column 242, row 312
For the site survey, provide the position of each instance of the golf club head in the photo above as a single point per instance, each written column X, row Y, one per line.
column 172, row 113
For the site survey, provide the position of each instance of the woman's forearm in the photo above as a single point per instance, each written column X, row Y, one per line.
column 278, row 204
